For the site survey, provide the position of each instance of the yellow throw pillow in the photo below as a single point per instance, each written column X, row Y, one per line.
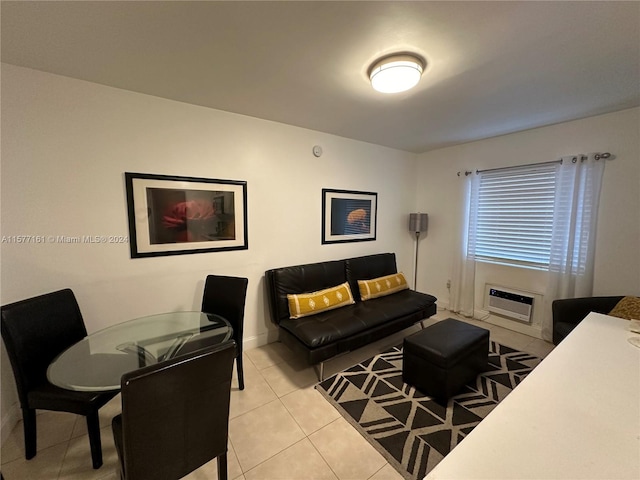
column 305, row 304
column 381, row 286
column 628, row 307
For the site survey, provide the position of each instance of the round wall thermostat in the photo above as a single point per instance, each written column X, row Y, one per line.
column 317, row 150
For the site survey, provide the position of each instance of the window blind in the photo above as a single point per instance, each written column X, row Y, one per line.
column 514, row 215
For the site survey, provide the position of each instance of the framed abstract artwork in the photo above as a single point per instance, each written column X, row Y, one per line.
column 171, row 215
column 348, row 216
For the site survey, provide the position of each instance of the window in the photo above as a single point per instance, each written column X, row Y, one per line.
column 511, row 215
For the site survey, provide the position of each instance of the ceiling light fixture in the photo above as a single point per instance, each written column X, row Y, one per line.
column 396, row 73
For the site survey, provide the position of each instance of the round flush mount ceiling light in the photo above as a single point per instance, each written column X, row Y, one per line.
column 396, row 73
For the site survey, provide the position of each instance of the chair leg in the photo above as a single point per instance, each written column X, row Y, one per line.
column 93, row 427
column 222, row 466
column 30, row 435
column 240, row 371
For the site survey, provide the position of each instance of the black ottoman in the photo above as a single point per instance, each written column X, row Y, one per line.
column 442, row 358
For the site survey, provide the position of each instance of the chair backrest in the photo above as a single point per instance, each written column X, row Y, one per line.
column 35, row 331
column 175, row 414
column 226, row 296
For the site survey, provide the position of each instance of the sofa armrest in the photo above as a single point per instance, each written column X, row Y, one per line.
column 573, row 310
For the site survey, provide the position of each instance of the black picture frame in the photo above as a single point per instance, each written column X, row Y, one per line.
column 348, row 216
column 174, row 215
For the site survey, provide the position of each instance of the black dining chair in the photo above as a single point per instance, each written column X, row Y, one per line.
column 226, row 296
column 175, row 415
column 35, row 331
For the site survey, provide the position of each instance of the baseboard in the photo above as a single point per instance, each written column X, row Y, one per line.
column 256, row 341
column 9, row 421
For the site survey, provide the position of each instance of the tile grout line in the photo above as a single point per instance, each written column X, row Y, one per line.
column 320, row 453
column 306, row 436
column 278, row 398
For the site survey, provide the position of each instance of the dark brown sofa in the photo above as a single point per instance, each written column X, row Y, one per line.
column 324, row 335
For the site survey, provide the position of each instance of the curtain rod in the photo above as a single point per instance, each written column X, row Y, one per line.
column 596, row 156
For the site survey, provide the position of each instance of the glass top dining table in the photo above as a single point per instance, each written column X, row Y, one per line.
column 98, row 361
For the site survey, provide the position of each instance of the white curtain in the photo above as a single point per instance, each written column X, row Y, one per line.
column 579, row 179
column 464, row 266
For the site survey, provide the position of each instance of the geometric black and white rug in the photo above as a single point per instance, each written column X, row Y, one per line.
column 408, row 428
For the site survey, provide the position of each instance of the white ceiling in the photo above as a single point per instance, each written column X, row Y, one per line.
column 493, row 67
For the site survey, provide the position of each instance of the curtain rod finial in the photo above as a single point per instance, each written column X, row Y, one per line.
column 604, row 156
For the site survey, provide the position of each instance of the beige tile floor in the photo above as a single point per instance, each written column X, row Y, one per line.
column 280, row 427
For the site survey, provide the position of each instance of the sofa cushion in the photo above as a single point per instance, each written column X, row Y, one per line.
column 305, row 304
column 382, row 286
column 339, row 324
column 368, row 267
column 300, row 279
column 628, row 308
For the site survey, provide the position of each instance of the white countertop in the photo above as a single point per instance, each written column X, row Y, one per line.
column 576, row 416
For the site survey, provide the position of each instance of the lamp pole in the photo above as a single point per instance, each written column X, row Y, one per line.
column 415, row 268
column 418, row 223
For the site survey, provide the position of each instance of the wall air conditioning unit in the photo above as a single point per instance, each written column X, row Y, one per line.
column 509, row 303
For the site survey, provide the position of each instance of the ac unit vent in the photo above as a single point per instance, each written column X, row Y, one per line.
column 510, row 303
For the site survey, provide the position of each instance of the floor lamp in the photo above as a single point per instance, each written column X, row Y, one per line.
column 418, row 223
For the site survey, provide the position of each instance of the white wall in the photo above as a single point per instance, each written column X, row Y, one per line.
column 65, row 146
column 440, row 190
